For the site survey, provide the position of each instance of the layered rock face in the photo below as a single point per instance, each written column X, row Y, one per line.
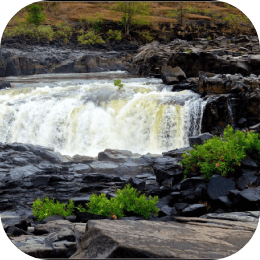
column 29, row 172
column 16, row 62
column 221, row 55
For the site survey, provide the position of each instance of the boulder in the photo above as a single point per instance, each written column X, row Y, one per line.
column 5, row 84
column 214, row 86
column 117, row 239
column 172, row 75
column 199, row 139
column 194, row 210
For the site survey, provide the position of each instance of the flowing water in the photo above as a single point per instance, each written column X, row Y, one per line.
column 87, row 116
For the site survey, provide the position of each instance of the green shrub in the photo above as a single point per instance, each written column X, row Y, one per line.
column 100, row 205
column 96, row 21
column 135, row 203
column 146, row 35
column 142, row 20
column 90, row 38
column 222, row 155
column 192, row 10
column 127, row 199
column 117, row 35
column 188, row 50
column 48, row 208
column 63, row 31
column 118, row 83
column 234, row 21
column 209, row 38
column 35, row 15
column 44, row 32
column 31, row 31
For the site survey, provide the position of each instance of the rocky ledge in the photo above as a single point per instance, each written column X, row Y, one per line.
column 190, row 209
column 27, row 61
column 222, row 55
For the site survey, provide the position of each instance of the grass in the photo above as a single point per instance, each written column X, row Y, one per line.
column 97, row 12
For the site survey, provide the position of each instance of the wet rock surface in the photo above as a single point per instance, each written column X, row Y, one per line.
column 64, row 179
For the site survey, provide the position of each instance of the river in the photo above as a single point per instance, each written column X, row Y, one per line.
column 85, row 113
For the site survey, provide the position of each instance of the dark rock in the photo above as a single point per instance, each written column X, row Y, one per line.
column 165, row 211
column 137, row 184
column 250, row 199
column 71, row 218
column 52, row 218
column 180, row 206
column 152, row 217
column 172, row 75
column 177, row 153
column 194, row 210
column 248, row 163
column 219, row 186
column 200, row 138
column 242, row 122
column 174, row 212
column 247, row 178
column 5, row 84
column 86, row 216
column 191, row 182
column 224, row 203
column 163, row 201
column 167, row 183
column 14, row 231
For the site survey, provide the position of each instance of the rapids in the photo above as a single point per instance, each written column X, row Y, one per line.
column 88, row 116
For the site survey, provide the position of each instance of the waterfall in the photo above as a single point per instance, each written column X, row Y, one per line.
column 230, row 112
column 88, row 118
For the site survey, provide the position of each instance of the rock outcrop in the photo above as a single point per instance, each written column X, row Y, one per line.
column 14, row 62
column 200, row 55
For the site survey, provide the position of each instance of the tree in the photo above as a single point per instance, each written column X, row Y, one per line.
column 35, row 16
column 130, row 10
column 179, row 13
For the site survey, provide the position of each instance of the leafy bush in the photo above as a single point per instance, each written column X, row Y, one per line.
column 100, row 205
column 31, row 31
column 209, row 38
column 91, row 37
column 140, row 205
column 127, row 199
column 222, row 155
column 146, row 35
column 96, row 21
column 35, row 15
column 44, row 32
column 118, row 83
column 63, row 31
column 117, row 35
column 48, row 208
column 234, row 21
column 192, row 10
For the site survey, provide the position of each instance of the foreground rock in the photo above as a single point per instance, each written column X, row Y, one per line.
column 139, row 239
column 28, row 172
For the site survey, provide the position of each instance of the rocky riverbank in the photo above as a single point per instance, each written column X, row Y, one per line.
column 29, row 172
column 224, row 71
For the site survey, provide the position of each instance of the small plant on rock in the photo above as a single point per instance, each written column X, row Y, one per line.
column 47, row 208
column 146, row 35
column 118, row 83
column 117, row 35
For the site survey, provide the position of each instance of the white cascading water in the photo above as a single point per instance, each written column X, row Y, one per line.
column 88, row 118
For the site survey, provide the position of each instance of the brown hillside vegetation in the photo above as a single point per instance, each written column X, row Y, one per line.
column 74, row 11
